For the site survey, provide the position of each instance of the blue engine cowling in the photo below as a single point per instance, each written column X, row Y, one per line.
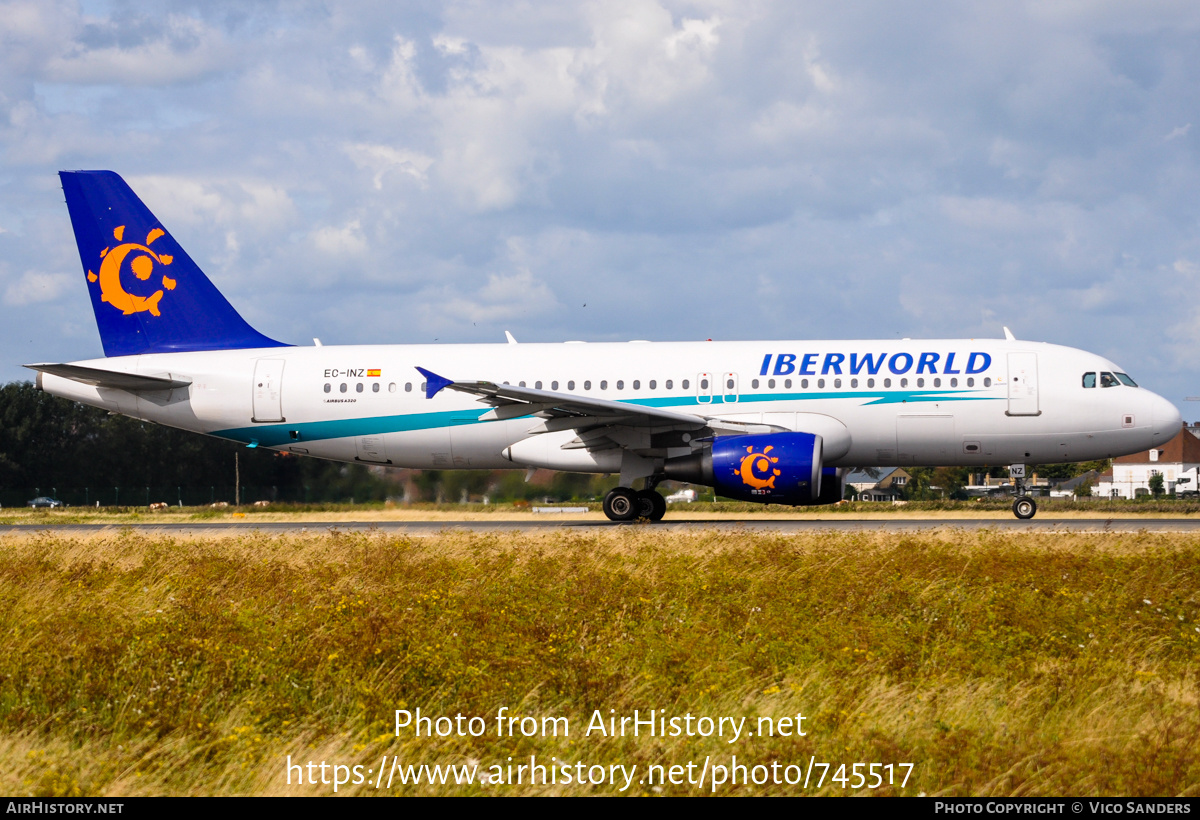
column 774, row 468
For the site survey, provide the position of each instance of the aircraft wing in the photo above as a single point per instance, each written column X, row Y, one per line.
column 599, row 421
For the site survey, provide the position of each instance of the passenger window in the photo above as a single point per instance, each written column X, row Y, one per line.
column 937, row 382
column 358, row 387
column 684, row 383
column 537, row 385
column 637, row 385
column 837, row 382
column 553, row 385
column 729, row 384
column 520, row 384
column 787, row 383
column 771, row 383
column 1089, row 379
column 669, row 385
column 1108, row 380
column 392, row 387
column 653, row 384
column 328, row 387
column 408, row 387
column 587, row 385
column 887, row 382
column 954, row 382
column 704, row 384
column 904, row 382
column 604, row 384
column 375, row 387
column 971, row 382
column 754, row 383
column 920, row 382
column 571, row 385
column 854, row 382
column 342, row 387
column 870, row 382
column 804, row 384
column 424, row 385
column 987, row 381
column 620, row 384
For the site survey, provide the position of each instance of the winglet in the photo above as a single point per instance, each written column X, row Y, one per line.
column 1008, row 334
column 434, row 383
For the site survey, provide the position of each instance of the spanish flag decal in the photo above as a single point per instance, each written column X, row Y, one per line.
column 373, row 372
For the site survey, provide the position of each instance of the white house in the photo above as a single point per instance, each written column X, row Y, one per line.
column 1129, row 476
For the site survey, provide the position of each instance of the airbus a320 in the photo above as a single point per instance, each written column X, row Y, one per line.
column 768, row 421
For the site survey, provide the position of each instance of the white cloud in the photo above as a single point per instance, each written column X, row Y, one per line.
column 249, row 205
column 505, row 298
column 383, row 160
column 347, row 240
column 185, row 49
column 34, row 287
column 1178, row 132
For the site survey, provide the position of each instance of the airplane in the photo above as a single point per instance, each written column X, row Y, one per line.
column 765, row 421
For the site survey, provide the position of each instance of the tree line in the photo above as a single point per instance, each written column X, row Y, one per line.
column 82, row 454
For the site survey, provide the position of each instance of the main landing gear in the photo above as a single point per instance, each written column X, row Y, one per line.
column 1024, row 507
column 625, row 504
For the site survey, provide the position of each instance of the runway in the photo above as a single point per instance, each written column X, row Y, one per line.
column 781, row 526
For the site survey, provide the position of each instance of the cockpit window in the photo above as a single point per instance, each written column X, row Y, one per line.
column 1089, row 379
column 1108, row 380
column 1125, row 380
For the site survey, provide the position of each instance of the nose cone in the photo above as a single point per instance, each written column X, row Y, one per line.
column 1165, row 421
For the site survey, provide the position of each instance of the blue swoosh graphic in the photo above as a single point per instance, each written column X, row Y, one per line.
column 276, row 435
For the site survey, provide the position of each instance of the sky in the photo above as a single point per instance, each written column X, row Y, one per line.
column 395, row 172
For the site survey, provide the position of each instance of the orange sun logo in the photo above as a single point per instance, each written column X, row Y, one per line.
column 756, row 470
column 142, row 265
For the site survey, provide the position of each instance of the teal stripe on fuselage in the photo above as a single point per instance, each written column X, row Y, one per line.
column 276, row 435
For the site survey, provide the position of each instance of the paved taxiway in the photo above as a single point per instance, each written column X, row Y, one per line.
column 1132, row 524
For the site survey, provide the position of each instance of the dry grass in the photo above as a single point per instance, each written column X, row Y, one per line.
column 993, row 508
column 998, row 664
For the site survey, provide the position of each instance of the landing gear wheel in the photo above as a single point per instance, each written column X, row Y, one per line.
column 651, row 505
column 1024, row 508
column 621, row 504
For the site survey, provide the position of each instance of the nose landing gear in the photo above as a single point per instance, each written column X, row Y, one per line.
column 1024, row 507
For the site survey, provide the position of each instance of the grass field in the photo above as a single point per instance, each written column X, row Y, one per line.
column 996, row 664
column 999, row 508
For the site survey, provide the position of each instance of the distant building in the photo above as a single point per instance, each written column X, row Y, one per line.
column 1177, row 459
column 888, row 487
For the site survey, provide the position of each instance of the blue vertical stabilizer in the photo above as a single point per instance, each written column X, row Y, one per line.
column 147, row 293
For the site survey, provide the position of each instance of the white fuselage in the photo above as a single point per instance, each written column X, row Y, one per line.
column 919, row 402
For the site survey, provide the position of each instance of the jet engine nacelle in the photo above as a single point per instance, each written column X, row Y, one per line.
column 772, row 468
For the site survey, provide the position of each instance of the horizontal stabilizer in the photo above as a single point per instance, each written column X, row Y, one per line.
column 133, row 382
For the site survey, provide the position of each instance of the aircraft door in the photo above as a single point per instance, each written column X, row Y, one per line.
column 926, row 439
column 371, row 449
column 704, row 388
column 729, row 387
column 268, row 392
column 1023, row 385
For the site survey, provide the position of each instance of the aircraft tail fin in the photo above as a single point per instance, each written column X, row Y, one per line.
column 147, row 293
